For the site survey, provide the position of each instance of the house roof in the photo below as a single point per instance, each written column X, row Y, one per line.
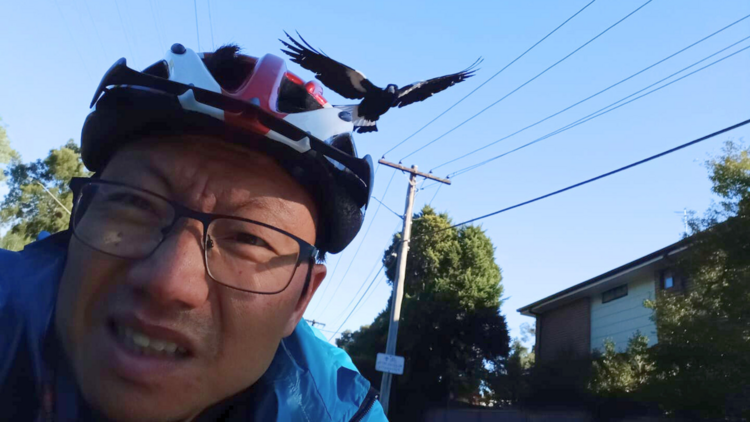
column 581, row 288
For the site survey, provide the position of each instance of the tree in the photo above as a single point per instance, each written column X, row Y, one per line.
column 451, row 331
column 620, row 374
column 528, row 332
column 511, row 384
column 7, row 154
column 703, row 356
column 31, row 205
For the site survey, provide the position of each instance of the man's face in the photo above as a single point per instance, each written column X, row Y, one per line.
column 230, row 336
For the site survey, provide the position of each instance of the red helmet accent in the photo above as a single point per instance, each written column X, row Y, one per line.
column 316, row 90
column 263, row 84
column 294, row 78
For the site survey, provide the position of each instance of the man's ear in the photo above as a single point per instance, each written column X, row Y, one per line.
column 315, row 276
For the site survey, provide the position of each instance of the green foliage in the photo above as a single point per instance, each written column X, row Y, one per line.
column 511, row 385
column 30, row 206
column 703, row 355
column 528, row 332
column 616, row 374
column 7, row 154
column 12, row 241
column 701, row 364
column 730, row 174
column 700, row 367
column 451, row 331
column 455, row 265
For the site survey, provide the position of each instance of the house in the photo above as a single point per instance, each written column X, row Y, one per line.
column 576, row 321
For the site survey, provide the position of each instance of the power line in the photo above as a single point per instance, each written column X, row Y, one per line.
column 351, row 262
column 355, row 306
column 366, row 299
column 325, row 289
column 591, row 96
column 491, row 77
column 197, row 29
column 433, row 184
column 51, row 195
column 374, row 265
column 335, row 267
column 526, row 83
column 75, row 45
column 125, row 33
column 341, row 280
column 156, row 24
column 96, row 31
column 593, row 179
column 211, row 25
column 601, row 112
column 435, row 195
column 372, row 270
column 388, row 208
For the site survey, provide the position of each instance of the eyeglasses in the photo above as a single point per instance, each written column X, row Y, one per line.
column 131, row 223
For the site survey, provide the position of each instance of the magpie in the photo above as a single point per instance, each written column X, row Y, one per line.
column 353, row 84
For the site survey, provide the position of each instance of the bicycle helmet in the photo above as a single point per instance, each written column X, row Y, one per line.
column 246, row 100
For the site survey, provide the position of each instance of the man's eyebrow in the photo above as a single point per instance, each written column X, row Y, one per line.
column 278, row 209
column 266, row 203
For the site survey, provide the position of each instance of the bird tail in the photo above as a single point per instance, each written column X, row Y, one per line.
column 361, row 124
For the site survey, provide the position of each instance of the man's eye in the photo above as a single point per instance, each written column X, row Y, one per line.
column 249, row 239
column 131, row 200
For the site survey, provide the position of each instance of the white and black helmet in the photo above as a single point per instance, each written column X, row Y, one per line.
column 250, row 101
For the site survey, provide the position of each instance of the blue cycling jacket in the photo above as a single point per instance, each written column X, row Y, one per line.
column 308, row 380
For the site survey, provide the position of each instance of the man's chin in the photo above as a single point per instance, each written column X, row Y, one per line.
column 125, row 405
column 116, row 383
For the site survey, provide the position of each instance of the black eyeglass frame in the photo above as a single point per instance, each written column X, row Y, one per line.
column 120, row 74
column 307, row 252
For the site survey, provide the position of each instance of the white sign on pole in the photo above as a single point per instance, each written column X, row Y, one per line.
column 390, row 363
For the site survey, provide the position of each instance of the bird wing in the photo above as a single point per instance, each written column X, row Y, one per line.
column 361, row 124
column 420, row 91
column 344, row 80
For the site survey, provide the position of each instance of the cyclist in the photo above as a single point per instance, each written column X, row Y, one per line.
column 221, row 181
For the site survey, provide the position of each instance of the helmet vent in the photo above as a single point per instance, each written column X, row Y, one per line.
column 159, row 69
column 294, row 98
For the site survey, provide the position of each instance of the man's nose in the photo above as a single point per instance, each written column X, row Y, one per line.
column 175, row 275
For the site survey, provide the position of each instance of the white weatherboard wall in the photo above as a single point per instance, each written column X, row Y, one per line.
column 621, row 318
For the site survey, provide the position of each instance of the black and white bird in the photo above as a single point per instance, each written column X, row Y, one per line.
column 353, row 84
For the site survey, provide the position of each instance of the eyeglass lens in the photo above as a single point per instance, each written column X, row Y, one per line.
column 131, row 223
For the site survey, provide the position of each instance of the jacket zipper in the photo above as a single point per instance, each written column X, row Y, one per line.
column 369, row 401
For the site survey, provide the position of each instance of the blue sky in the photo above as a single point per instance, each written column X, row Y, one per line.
column 57, row 50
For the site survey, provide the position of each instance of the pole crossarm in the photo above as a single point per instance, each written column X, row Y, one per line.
column 314, row 323
column 414, row 171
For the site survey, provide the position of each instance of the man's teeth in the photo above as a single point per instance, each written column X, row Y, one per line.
column 139, row 342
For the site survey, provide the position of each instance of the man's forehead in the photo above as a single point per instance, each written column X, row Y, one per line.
column 211, row 169
column 181, row 160
column 203, row 149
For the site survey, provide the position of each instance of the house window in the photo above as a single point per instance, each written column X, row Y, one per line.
column 667, row 280
column 616, row 293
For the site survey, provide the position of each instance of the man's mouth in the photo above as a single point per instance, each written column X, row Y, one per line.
column 140, row 343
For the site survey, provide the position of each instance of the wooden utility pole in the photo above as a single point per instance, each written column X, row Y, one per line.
column 398, row 286
column 314, row 323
